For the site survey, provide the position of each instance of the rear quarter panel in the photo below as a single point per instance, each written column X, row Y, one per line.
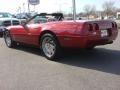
column 61, row 28
column 65, row 31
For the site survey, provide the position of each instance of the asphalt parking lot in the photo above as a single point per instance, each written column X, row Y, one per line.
column 24, row 68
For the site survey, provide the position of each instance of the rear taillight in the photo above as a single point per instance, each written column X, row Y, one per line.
column 96, row 26
column 90, row 27
column 114, row 25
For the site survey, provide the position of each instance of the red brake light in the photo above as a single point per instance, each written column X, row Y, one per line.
column 96, row 26
column 90, row 27
column 113, row 26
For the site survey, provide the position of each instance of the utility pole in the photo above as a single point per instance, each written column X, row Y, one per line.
column 74, row 10
column 23, row 7
column 19, row 9
column 28, row 7
column 34, row 8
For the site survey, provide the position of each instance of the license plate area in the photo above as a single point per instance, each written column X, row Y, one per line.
column 104, row 33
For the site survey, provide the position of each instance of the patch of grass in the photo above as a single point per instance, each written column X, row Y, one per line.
column 118, row 24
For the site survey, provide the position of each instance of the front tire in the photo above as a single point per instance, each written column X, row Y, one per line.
column 8, row 40
column 50, row 46
column 90, row 48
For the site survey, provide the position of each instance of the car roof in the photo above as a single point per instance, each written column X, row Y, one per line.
column 4, row 19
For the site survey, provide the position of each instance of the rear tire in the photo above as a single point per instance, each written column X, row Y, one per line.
column 90, row 48
column 50, row 46
column 8, row 40
column 1, row 35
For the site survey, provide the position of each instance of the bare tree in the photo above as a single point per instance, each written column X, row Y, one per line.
column 89, row 10
column 109, row 8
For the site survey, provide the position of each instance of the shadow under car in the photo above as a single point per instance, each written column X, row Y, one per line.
column 100, row 59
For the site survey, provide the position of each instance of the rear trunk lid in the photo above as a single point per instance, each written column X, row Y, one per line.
column 103, row 28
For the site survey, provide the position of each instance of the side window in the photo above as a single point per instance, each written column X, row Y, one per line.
column 6, row 23
column 38, row 19
column 15, row 22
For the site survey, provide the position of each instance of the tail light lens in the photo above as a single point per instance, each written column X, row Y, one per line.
column 114, row 25
column 96, row 26
column 90, row 27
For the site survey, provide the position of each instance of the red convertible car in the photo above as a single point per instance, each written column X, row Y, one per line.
column 50, row 33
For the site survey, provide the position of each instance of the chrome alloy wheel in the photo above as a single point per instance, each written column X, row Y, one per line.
column 8, row 39
column 49, row 47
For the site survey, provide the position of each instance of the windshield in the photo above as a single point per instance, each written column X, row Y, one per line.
column 5, row 15
column 42, row 19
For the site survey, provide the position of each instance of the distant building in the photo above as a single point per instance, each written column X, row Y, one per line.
column 118, row 14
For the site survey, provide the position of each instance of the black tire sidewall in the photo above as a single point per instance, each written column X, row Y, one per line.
column 90, row 48
column 12, row 44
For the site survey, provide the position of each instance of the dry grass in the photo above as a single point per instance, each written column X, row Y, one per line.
column 118, row 24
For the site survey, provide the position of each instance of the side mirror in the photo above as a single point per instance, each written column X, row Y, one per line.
column 23, row 23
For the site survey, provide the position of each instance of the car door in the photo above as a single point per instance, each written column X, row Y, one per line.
column 19, row 34
column 31, row 34
column 28, row 34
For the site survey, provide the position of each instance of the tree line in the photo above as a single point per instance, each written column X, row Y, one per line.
column 108, row 10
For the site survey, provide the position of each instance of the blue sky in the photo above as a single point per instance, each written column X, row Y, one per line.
column 97, row 3
column 52, row 5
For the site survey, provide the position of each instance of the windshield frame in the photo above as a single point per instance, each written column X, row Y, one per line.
column 58, row 16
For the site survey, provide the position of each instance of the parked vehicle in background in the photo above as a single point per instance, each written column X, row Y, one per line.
column 51, row 37
column 25, row 15
column 5, row 22
column 82, row 18
column 22, row 16
column 5, row 15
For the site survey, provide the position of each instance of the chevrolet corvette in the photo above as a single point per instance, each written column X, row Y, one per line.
column 51, row 33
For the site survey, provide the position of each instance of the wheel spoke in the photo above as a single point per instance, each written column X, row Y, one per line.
column 48, row 46
column 7, row 39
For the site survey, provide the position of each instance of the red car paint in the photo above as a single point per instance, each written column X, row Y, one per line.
column 69, row 34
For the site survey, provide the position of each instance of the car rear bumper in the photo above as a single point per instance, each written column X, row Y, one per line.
column 85, row 41
column 98, row 41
